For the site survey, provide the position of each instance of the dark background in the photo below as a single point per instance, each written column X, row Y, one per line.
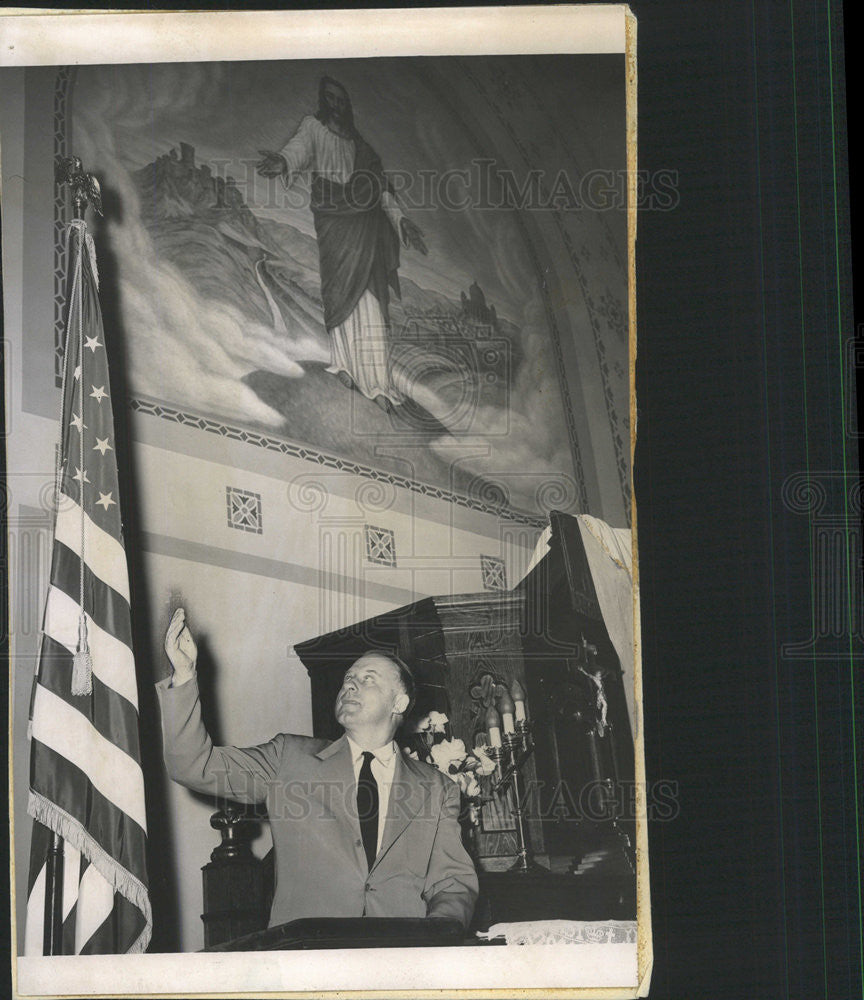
column 744, row 295
column 744, row 303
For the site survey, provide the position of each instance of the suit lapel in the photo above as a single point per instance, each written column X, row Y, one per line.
column 337, row 771
column 408, row 794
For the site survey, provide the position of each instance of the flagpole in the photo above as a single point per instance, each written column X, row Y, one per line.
column 52, row 941
column 85, row 188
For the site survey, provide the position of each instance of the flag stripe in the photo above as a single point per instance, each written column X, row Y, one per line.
column 96, row 902
column 68, row 933
column 125, row 922
column 112, row 716
column 103, row 553
column 113, row 661
column 112, row 831
column 71, row 876
column 39, row 842
column 107, row 608
column 112, row 771
column 70, row 900
column 33, row 942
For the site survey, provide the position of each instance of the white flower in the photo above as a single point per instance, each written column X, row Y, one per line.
column 447, row 754
column 437, row 722
column 467, row 782
column 486, row 765
column 423, row 725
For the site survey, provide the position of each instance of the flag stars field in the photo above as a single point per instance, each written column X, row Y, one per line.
column 99, row 394
column 102, row 445
column 105, row 500
column 93, row 343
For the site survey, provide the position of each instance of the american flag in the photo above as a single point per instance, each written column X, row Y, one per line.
column 86, row 782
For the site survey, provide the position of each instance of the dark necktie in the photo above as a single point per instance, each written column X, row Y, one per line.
column 367, row 807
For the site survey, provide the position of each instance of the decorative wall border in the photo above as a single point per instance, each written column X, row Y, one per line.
column 271, row 443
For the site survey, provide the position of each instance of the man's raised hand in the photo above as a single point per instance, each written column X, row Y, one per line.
column 180, row 648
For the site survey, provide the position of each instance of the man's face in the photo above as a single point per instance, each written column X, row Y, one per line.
column 371, row 692
column 337, row 102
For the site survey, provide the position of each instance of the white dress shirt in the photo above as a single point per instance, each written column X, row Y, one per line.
column 383, row 769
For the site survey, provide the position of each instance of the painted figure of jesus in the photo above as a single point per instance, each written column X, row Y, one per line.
column 359, row 226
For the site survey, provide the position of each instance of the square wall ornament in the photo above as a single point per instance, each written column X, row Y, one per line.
column 494, row 573
column 244, row 510
column 380, row 545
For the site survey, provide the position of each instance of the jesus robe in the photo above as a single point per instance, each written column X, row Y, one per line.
column 356, row 223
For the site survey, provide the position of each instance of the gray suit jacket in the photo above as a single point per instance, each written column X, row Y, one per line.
column 309, row 789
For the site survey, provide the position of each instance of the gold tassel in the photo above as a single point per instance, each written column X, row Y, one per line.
column 82, row 663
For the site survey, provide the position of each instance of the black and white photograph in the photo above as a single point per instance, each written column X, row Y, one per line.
column 432, row 501
column 319, row 471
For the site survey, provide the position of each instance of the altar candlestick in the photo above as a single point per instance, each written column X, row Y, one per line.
column 506, row 706
column 518, row 693
column 493, row 725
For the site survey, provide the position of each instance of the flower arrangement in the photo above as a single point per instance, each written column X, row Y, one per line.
column 433, row 743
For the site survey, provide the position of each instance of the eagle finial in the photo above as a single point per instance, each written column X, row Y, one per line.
column 85, row 187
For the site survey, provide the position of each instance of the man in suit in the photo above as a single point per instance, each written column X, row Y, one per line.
column 359, row 829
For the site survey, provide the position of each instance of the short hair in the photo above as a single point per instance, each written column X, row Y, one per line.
column 406, row 677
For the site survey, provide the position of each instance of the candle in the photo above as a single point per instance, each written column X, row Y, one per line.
column 518, row 693
column 493, row 725
column 505, row 704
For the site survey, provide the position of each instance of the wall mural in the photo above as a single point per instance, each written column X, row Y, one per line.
column 335, row 253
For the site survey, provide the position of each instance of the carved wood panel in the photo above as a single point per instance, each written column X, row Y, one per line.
column 483, row 648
